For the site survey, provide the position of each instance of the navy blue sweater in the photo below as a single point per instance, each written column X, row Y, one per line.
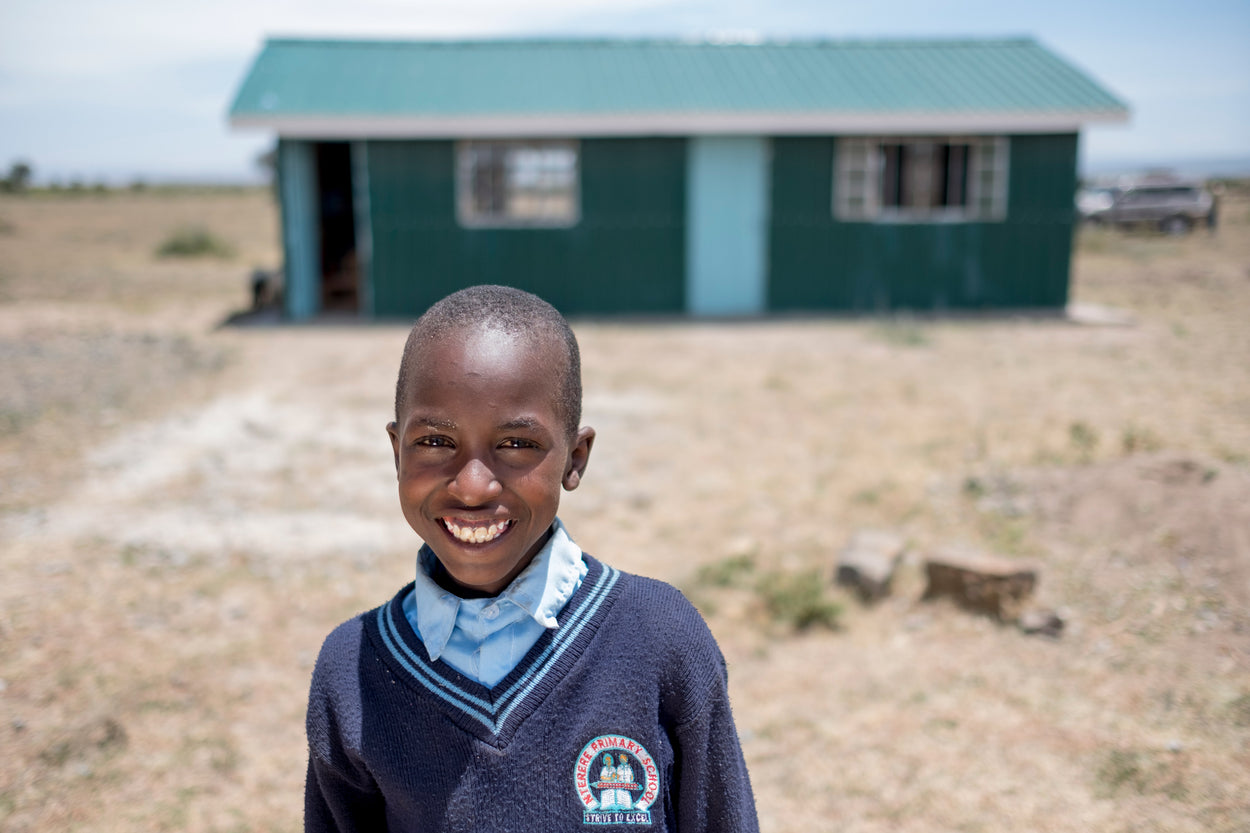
column 616, row 719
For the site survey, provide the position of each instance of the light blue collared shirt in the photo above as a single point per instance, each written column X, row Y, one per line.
column 484, row 639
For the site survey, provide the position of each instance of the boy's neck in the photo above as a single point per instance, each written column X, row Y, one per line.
column 445, row 580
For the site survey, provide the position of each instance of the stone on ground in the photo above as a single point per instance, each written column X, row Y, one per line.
column 868, row 561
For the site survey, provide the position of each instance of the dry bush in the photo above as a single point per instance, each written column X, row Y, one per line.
column 194, row 241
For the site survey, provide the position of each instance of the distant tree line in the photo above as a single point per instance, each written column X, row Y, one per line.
column 18, row 179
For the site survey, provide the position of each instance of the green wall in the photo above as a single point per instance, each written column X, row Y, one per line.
column 626, row 254
column 816, row 262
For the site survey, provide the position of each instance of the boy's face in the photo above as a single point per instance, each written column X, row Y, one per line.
column 482, row 451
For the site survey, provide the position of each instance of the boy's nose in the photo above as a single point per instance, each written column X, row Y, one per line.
column 475, row 483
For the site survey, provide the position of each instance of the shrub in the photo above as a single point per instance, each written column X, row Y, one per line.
column 1134, row 438
column 727, row 573
column 1239, row 709
column 194, row 241
column 1083, row 438
column 902, row 331
column 1142, row 772
column 799, row 600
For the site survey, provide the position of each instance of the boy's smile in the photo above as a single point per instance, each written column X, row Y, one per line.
column 467, row 533
column 482, row 452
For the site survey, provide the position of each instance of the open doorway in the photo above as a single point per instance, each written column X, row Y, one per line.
column 340, row 275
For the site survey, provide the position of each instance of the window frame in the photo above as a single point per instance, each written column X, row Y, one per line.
column 469, row 215
column 859, row 171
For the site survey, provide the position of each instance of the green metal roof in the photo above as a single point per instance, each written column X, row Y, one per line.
column 588, row 87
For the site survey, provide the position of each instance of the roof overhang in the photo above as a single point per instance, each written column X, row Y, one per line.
column 584, row 125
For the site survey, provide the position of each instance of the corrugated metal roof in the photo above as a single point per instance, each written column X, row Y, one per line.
column 561, row 84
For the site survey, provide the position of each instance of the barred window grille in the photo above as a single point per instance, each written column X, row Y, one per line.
column 517, row 183
column 883, row 179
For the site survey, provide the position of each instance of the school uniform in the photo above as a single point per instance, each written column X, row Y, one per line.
column 481, row 729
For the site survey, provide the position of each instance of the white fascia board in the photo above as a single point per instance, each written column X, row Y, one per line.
column 673, row 124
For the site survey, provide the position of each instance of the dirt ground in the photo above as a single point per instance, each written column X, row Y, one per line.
column 187, row 509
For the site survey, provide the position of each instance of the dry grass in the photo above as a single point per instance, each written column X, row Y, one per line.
column 188, row 510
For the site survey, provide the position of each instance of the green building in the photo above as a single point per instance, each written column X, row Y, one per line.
column 643, row 176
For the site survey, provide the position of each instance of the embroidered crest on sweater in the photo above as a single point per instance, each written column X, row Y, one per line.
column 617, row 781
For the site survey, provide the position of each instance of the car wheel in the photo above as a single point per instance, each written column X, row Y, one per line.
column 1174, row 225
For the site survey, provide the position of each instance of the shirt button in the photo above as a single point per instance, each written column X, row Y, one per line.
column 491, row 612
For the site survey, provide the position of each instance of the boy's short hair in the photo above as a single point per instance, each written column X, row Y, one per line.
column 512, row 311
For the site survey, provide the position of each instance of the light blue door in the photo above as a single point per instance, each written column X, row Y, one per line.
column 301, row 241
column 727, row 184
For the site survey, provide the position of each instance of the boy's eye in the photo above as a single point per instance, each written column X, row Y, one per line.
column 517, row 442
column 434, row 442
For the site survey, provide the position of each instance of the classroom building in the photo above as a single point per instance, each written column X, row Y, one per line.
column 674, row 177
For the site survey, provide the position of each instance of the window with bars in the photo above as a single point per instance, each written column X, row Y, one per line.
column 517, row 183
column 887, row 179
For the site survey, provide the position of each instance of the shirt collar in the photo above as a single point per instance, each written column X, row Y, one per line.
column 541, row 590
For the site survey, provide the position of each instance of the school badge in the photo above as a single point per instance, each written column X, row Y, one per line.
column 617, row 781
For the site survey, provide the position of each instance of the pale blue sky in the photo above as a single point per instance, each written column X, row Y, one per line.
column 119, row 89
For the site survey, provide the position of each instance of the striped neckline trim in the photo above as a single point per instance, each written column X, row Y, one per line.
column 490, row 712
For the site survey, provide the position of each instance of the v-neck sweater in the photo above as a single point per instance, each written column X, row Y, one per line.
column 631, row 673
column 485, row 638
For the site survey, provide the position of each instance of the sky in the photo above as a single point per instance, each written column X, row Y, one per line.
column 139, row 89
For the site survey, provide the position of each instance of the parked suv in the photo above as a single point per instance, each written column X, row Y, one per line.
column 1173, row 207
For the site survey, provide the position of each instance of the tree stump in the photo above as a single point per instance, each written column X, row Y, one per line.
column 995, row 586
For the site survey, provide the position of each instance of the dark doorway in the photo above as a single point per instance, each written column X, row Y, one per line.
column 340, row 275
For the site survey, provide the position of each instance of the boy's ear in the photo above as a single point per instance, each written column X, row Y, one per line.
column 579, row 456
column 392, row 429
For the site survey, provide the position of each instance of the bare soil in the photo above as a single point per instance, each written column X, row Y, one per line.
column 187, row 509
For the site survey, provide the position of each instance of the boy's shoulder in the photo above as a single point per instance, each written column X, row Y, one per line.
column 339, row 657
column 342, row 649
column 670, row 641
column 659, row 597
column 667, row 616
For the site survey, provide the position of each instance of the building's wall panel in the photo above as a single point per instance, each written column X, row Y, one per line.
column 1041, row 206
column 817, row 262
column 727, row 224
column 626, row 253
column 301, row 243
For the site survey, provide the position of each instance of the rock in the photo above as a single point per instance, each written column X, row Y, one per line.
column 1041, row 623
column 986, row 584
column 1099, row 315
column 868, row 561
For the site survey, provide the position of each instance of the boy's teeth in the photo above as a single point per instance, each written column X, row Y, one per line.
column 475, row 534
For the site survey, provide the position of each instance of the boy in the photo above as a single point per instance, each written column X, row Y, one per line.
column 518, row 684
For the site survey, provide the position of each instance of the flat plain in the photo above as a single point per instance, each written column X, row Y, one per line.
column 187, row 508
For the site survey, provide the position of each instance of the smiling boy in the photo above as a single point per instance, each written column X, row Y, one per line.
column 484, row 694
column 482, row 449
